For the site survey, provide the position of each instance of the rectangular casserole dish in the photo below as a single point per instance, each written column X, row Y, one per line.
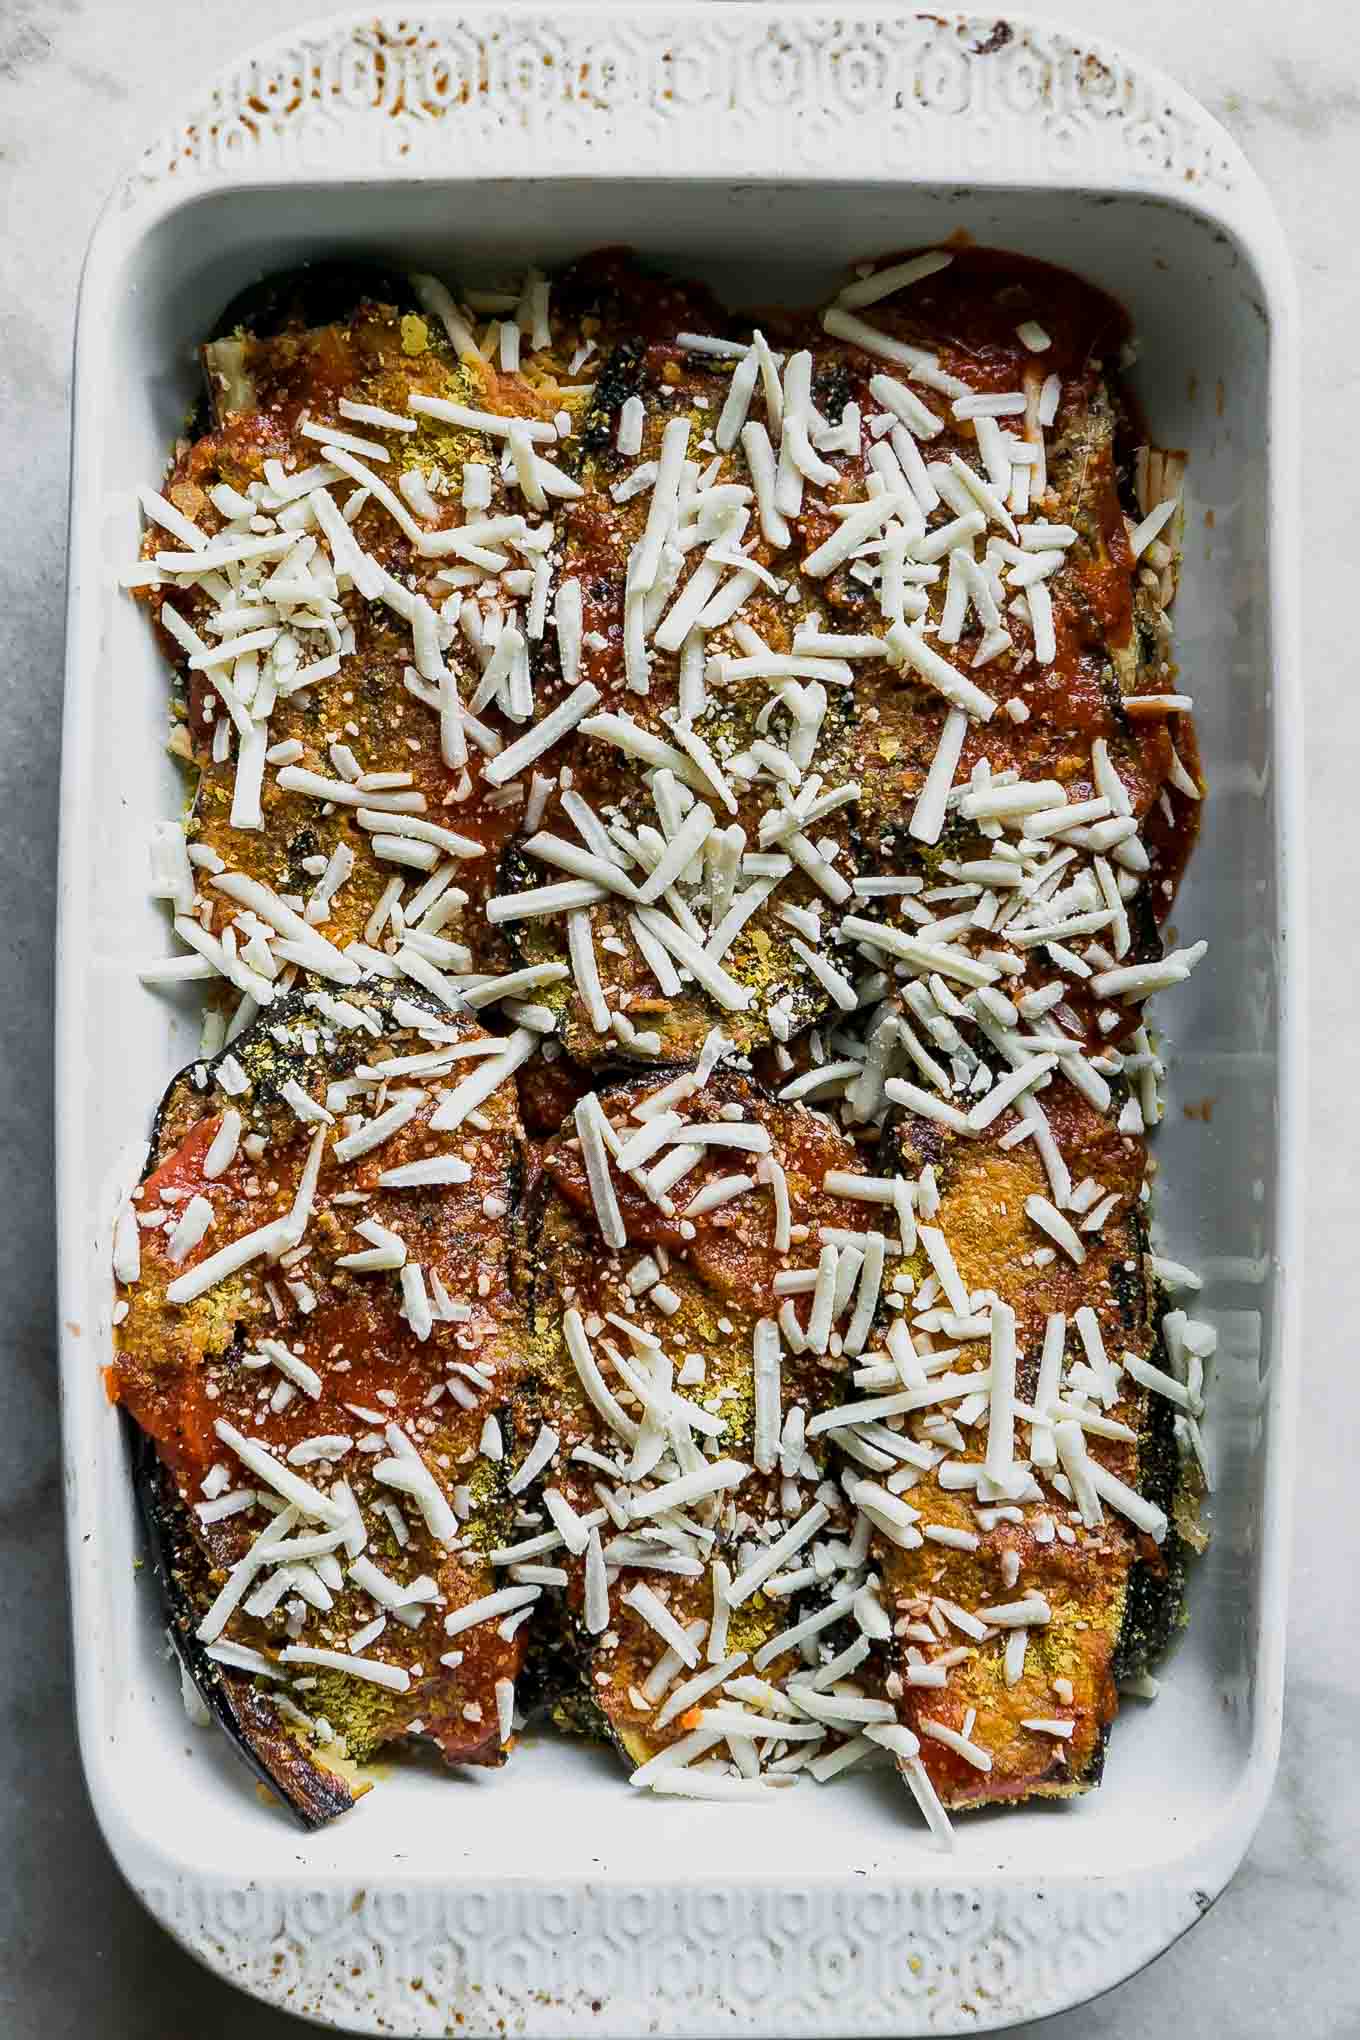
column 761, row 149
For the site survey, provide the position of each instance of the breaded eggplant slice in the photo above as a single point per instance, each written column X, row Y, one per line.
column 375, row 629
column 1101, row 1581
column 368, row 1384
column 665, row 1009
column 1108, row 612
column 712, row 1287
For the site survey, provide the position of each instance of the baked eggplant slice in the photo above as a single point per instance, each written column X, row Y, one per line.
column 320, row 1342
column 306, row 826
column 357, row 659
column 1028, row 1587
column 644, row 1370
column 634, row 785
column 1111, row 642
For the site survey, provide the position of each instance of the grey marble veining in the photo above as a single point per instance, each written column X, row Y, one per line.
column 80, row 87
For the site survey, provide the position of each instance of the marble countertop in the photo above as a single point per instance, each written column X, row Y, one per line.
column 77, row 1954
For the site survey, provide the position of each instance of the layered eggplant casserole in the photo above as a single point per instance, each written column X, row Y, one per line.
column 680, row 816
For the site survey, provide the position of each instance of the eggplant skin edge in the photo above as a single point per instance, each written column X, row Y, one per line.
column 312, row 1794
column 309, row 295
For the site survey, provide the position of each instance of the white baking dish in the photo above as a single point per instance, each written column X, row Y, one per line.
column 762, row 148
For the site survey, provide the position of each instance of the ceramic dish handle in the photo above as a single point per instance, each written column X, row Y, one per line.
column 879, row 96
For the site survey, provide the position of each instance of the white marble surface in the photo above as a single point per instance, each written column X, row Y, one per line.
column 80, row 87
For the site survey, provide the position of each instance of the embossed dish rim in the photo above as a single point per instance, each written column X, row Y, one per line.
column 693, row 124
